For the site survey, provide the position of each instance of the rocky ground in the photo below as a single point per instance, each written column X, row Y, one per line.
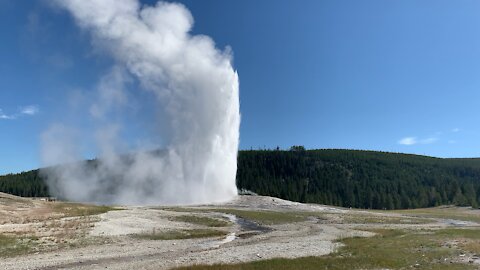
column 247, row 229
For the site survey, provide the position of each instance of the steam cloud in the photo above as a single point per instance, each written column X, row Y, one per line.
column 194, row 87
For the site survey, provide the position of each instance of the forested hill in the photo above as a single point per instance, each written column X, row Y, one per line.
column 350, row 178
column 360, row 179
column 26, row 184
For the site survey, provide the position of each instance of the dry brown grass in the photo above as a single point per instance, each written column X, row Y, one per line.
column 44, row 226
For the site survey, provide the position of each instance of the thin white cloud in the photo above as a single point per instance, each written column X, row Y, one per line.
column 414, row 140
column 29, row 110
column 4, row 116
column 429, row 140
column 408, row 141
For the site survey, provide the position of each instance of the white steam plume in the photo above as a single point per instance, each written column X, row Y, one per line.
column 194, row 86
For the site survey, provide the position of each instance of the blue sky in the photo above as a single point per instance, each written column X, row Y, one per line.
column 400, row 76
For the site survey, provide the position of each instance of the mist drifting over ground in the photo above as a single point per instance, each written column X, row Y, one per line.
column 192, row 83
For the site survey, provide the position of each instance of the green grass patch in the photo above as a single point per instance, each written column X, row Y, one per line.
column 205, row 221
column 78, row 209
column 456, row 233
column 180, row 234
column 265, row 217
column 389, row 249
column 13, row 246
column 180, row 209
column 381, row 219
column 444, row 213
column 467, row 238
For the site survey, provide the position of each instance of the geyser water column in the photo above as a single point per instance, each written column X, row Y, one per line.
column 194, row 84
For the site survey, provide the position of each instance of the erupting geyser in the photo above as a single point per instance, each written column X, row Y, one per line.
column 193, row 84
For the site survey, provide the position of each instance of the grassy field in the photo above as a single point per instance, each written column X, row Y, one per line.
column 457, row 213
column 56, row 231
column 205, row 221
column 179, row 234
column 389, row 249
column 78, row 209
column 260, row 216
column 360, row 218
column 14, row 246
column 265, row 217
column 467, row 240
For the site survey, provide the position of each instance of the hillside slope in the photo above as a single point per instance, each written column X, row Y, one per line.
column 349, row 178
column 361, row 179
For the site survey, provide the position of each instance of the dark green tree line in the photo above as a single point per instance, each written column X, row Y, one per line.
column 360, row 179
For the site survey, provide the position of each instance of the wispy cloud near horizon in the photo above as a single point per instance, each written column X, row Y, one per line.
column 414, row 140
column 408, row 141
